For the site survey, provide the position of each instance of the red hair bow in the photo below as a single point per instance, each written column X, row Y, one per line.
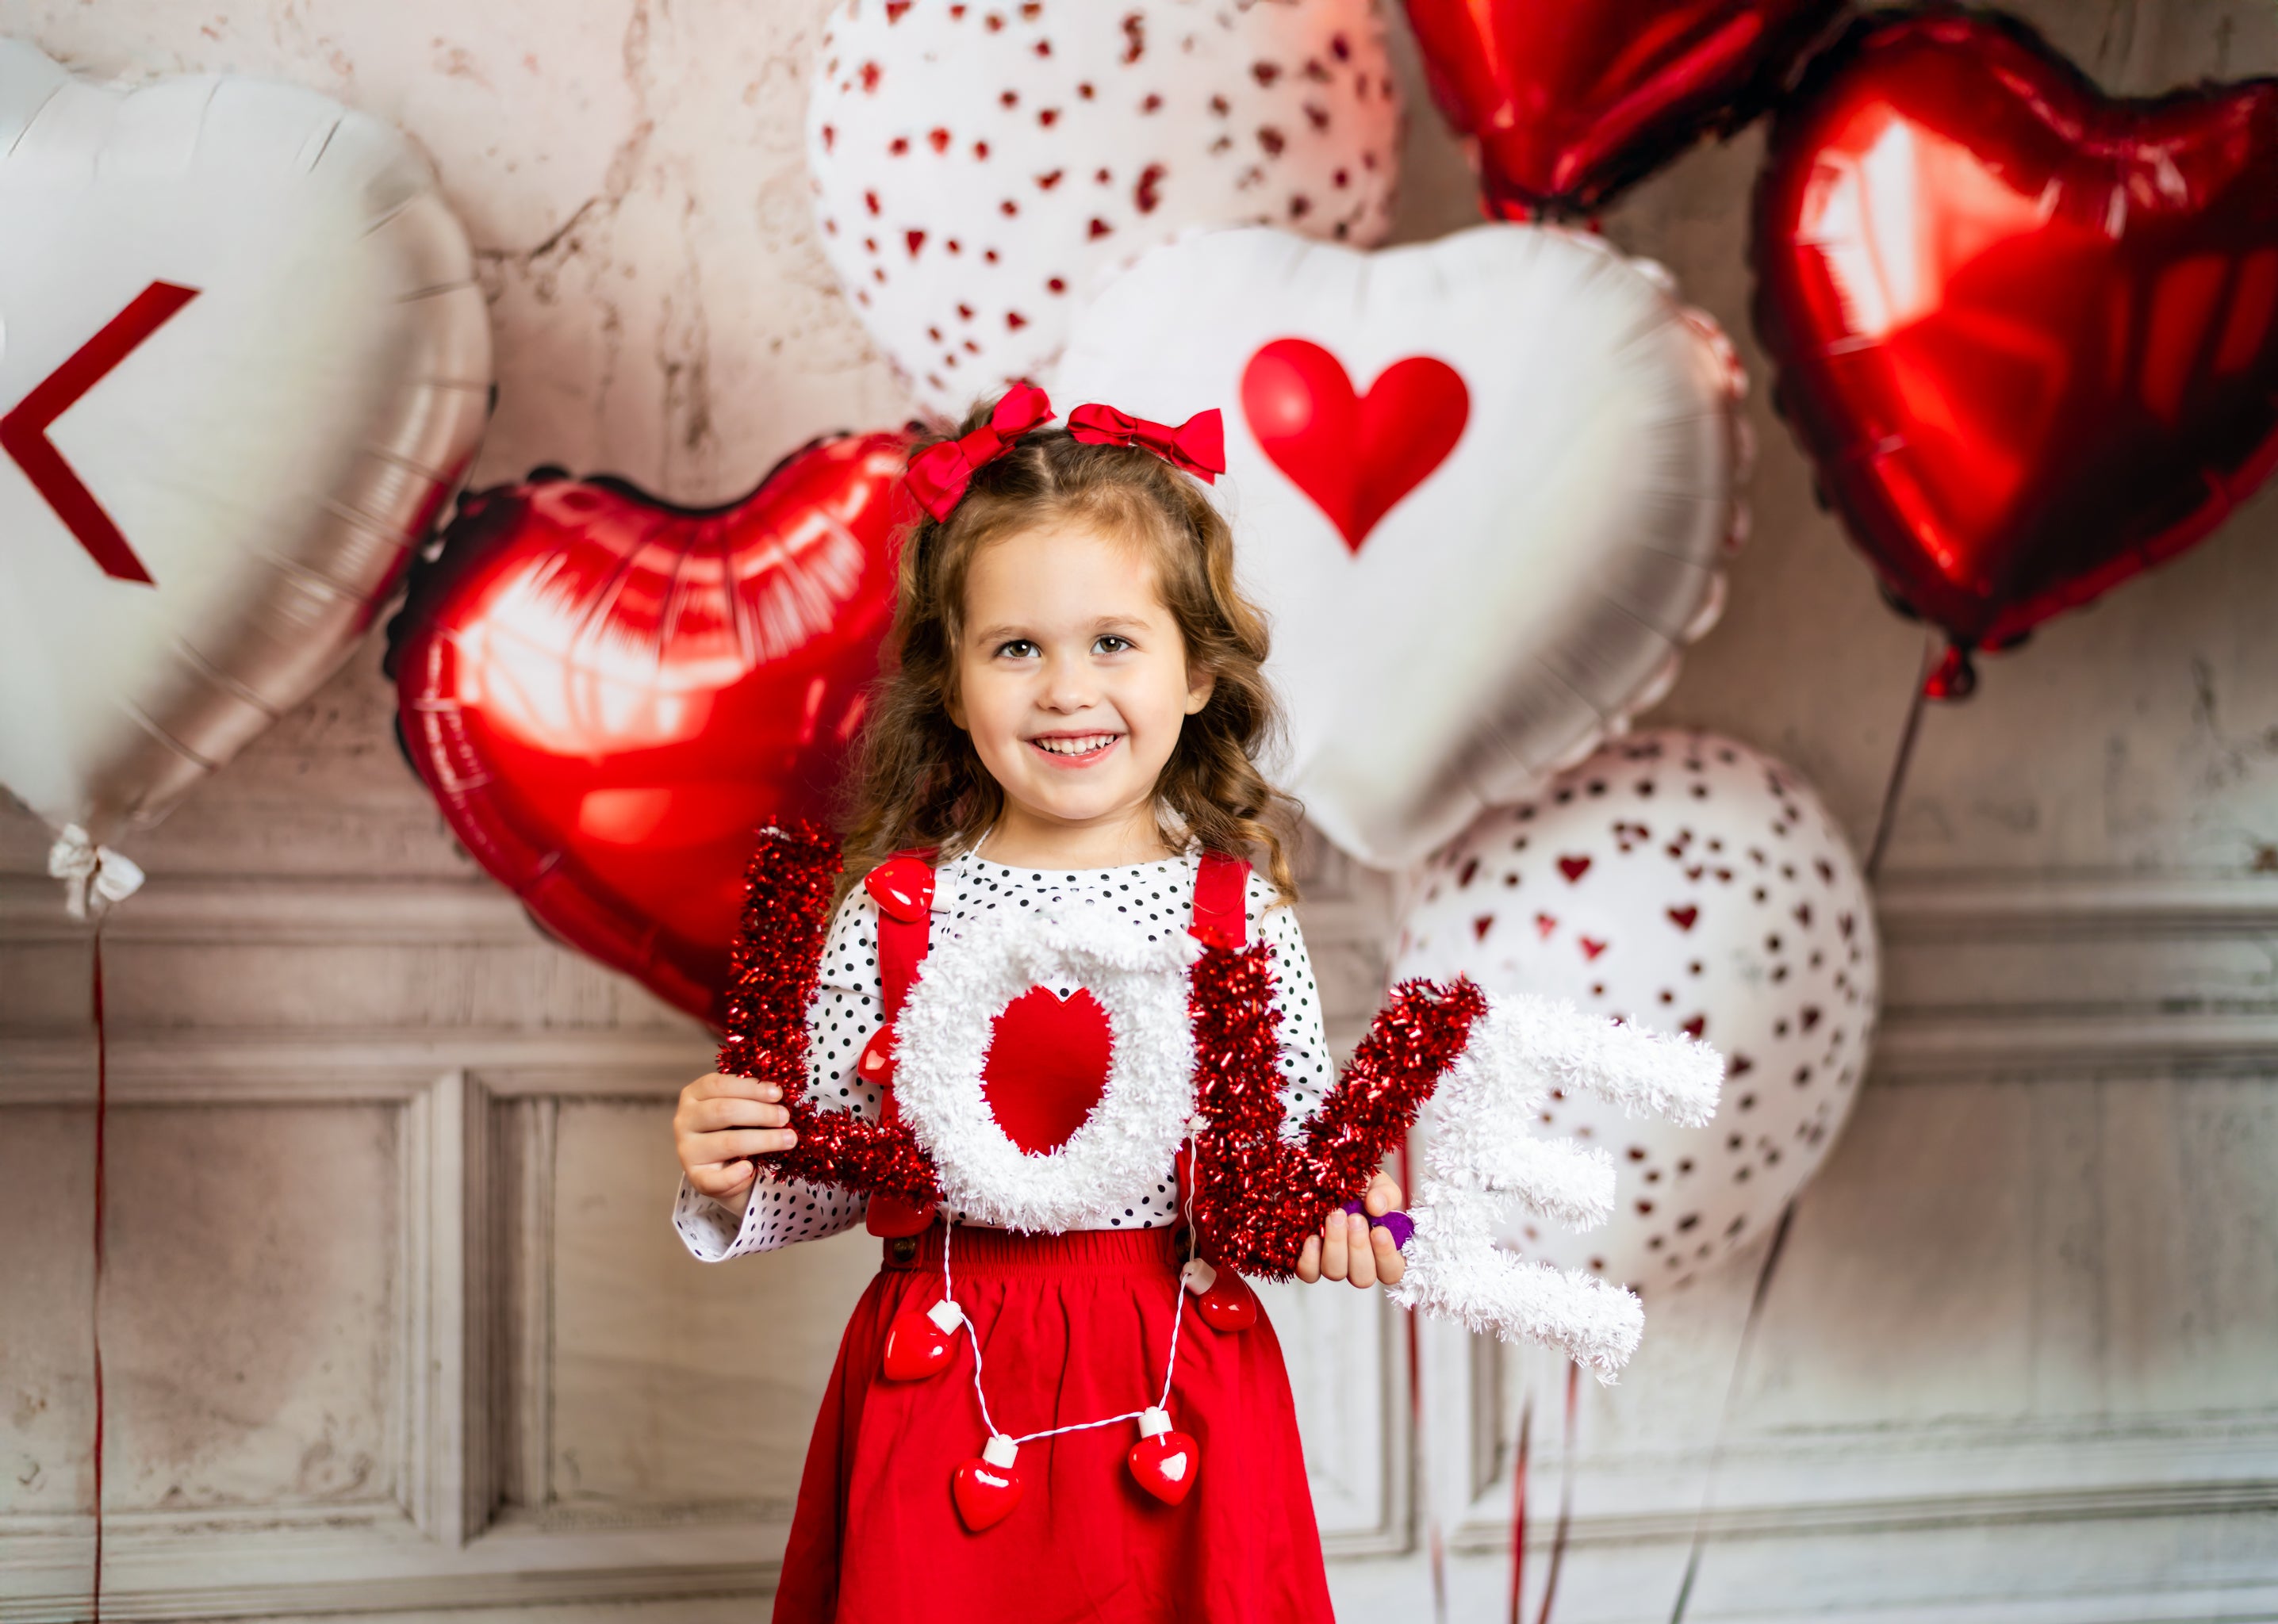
column 939, row 474
column 1196, row 445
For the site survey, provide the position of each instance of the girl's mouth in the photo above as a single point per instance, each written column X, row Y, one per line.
column 1075, row 749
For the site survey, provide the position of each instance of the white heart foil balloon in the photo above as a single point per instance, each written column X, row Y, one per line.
column 979, row 167
column 1684, row 882
column 1484, row 486
column 245, row 364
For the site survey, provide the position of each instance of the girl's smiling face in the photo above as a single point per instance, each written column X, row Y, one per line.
column 1073, row 683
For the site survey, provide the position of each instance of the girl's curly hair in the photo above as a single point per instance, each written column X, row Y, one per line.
column 920, row 783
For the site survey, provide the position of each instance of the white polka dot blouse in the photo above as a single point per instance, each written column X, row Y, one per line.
column 1155, row 898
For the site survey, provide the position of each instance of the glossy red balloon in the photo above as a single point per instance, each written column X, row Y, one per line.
column 2025, row 331
column 606, row 694
column 1573, row 100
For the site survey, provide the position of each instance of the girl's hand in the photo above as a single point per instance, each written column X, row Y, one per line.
column 721, row 1123
column 1348, row 1248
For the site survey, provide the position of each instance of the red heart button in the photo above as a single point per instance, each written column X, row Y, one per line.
column 1047, row 1067
column 1354, row 455
column 2028, row 334
column 606, row 694
column 986, row 1494
column 1165, row 1466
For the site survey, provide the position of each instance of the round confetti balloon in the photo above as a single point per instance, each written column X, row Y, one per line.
column 1689, row 883
column 977, row 168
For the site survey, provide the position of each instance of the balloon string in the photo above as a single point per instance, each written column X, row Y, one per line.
column 1725, row 1411
column 1518, row 1471
column 1566, row 1498
column 1435, row 1547
column 94, row 1299
column 1896, row 783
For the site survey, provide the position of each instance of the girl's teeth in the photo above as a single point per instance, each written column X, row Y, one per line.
column 1076, row 747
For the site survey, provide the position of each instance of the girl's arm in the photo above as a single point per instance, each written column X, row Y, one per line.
column 772, row 1212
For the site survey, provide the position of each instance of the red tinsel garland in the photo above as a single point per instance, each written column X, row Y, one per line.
column 1256, row 1194
column 778, row 957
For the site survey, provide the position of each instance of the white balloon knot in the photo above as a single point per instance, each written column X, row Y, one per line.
column 83, row 866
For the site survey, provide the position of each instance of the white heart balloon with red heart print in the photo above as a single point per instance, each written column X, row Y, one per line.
column 977, row 167
column 1484, row 486
column 244, row 364
column 1687, row 883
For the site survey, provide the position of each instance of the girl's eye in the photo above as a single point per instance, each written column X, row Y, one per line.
column 1019, row 648
column 1111, row 645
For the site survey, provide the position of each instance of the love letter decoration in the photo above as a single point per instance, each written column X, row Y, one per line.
column 980, row 168
column 1485, row 486
column 605, row 693
column 244, row 366
column 1570, row 101
column 2027, row 333
column 1200, row 1062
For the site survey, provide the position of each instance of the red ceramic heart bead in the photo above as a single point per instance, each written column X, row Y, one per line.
column 606, row 694
column 916, row 1347
column 2029, row 334
column 1354, row 454
column 1571, row 99
column 1229, row 1304
column 1047, row 1066
column 1165, row 1466
column 986, row 1494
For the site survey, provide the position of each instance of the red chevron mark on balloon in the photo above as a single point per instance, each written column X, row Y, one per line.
column 24, row 432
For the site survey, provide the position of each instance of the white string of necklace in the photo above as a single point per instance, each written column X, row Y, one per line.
column 1170, row 1360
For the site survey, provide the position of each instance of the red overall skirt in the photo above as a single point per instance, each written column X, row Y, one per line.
column 1072, row 1328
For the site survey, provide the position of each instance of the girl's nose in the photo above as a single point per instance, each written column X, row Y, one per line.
column 1070, row 685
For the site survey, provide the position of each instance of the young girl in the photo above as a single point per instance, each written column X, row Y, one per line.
column 1068, row 729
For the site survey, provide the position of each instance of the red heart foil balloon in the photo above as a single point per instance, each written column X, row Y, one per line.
column 1573, row 100
column 605, row 693
column 916, row 1346
column 1047, row 1067
column 1166, row 1465
column 1353, row 455
column 985, row 1492
column 2025, row 331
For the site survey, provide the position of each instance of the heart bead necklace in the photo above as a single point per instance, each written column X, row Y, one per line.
column 987, row 1488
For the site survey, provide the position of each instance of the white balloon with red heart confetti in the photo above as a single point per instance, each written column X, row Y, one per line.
column 979, row 167
column 1685, row 882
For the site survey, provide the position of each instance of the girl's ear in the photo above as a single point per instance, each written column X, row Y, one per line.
column 1200, row 686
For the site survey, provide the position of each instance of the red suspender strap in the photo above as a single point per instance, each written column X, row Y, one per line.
column 1221, row 904
column 1222, row 898
column 902, row 887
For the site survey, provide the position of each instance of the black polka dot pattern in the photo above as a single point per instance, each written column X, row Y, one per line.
column 1156, row 899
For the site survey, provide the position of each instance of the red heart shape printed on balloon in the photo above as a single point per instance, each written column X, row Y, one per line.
column 2025, row 369
column 606, row 694
column 985, row 1494
column 1047, row 1066
column 1353, row 455
column 1166, row 1466
column 1573, row 100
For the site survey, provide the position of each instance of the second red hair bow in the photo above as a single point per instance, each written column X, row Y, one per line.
column 939, row 474
column 1196, row 445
